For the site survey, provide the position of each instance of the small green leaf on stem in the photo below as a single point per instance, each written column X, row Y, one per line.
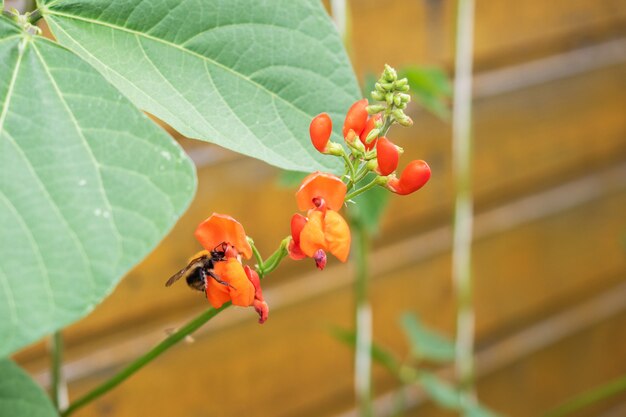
column 425, row 343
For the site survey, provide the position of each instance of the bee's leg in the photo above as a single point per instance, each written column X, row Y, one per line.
column 216, row 278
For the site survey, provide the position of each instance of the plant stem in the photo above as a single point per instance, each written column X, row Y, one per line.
column 276, row 258
column 146, row 358
column 257, row 254
column 589, row 397
column 463, row 210
column 363, row 320
column 57, row 382
column 349, row 165
column 366, row 187
column 266, row 266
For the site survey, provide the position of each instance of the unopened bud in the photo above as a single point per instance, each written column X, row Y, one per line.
column 397, row 100
column 375, row 108
column 389, row 74
column 389, row 98
column 372, row 135
column 401, row 82
column 401, row 106
column 406, row 121
column 377, row 95
column 355, row 144
column 387, row 86
column 379, row 87
column 404, row 88
column 334, row 148
column 404, row 97
column 372, row 165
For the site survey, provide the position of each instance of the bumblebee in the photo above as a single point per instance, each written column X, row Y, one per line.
column 201, row 268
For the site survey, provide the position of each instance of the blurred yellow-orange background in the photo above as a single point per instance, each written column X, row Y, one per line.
column 549, row 255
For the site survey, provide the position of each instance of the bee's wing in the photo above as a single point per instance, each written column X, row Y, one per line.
column 193, row 264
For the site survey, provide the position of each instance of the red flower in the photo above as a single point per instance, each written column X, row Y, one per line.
column 320, row 129
column 414, row 176
column 324, row 229
column 242, row 284
column 356, row 118
column 387, row 156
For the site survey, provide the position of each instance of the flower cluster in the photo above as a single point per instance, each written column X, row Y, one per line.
column 364, row 131
column 321, row 196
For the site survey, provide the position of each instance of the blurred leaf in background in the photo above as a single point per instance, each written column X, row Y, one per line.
column 431, row 88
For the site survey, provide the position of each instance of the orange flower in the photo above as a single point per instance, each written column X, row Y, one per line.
column 221, row 228
column 241, row 285
column 324, row 229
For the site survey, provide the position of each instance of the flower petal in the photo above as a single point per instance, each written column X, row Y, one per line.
column 241, row 291
column 219, row 228
column 312, row 236
column 337, row 234
column 321, row 185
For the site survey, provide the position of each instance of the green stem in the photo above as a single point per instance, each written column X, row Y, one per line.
column 146, row 358
column 257, row 254
column 366, row 187
column 463, row 210
column 589, row 397
column 56, row 375
column 276, row 258
column 363, row 320
column 349, row 165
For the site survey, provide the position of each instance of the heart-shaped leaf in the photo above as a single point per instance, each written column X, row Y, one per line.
column 20, row 395
column 245, row 74
column 88, row 186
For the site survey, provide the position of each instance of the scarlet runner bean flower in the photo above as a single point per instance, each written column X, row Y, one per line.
column 356, row 118
column 242, row 284
column 320, row 129
column 414, row 176
column 387, row 156
column 323, row 230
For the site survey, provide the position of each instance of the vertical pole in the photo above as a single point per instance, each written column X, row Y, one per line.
column 463, row 209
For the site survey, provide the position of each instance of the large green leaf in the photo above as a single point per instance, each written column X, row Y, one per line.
column 248, row 75
column 20, row 396
column 88, row 186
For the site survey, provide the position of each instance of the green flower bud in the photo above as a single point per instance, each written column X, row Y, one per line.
column 372, row 165
column 375, row 108
column 404, row 97
column 387, row 86
column 406, row 121
column 401, row 82
column 404, row 88
column 389, row 74
column 334, row 148
column 389, row 98
column 397, row 100
column 377, row 95
column 372, row 135
column 378, row 86
column 401, row 106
